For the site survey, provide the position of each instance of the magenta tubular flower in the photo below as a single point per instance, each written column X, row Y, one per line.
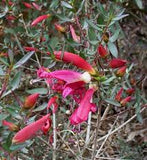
column 68, row 76
column 102, row 51
column 74, row 59
column 120, row 72
column 81, row 113
column 30, row 130
column 40, row 19
column 124, row 101
column 75, row 37
column 118, row 95
column 10, row 125
column 72, row 80
column 117, row 63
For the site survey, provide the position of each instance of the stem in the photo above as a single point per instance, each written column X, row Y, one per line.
column 96, row 131
column 88, row 129
column 54, row 134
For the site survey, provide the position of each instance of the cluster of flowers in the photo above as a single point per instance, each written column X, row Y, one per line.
column 68, row 83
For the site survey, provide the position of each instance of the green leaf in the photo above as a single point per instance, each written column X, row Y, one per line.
column 113, row 49
column 19, row 146
column 11, row 56
column 139, row 4
column 91, row 34
column 54, row 3
column 93, row 25
column 37, row 90
column 3, row 116
column 113, row 102
column 5, row 10
column 16, row 80
column 1, row 72
column 115, row 36
column 40, row 108
column 23, row 60
column 8, row 143
column 65, row 4
column 107, row 82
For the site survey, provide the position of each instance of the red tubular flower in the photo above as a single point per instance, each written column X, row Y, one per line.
column 124, row 101
column 40, row 19
column 36, row 6
column 120, row 72
column 27, row 5
column 30, row 101
column 29, row 49
column 11, row 18
column 81, row 113
column 102, row 51
column 116, row 63
column 75, row 37
column 53, row 101
column 30, row 130
column 118, row 95
column 75, row 60
column 130, row 91
column 46, row 126
column 59, row 27
column 12, row 126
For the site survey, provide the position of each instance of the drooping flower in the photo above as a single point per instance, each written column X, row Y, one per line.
column 102, row 51
column 46, row 126
column 118, row 95
column 130, row 91
column 120, row 72
column 75, row 37
column 116, row 63
column 53, row 101
column 74, row 59
column 12, row 126
column 40, row 19
column 59, row 27
column 81, row 113
column 30, row 101
column 30, row 130
column 29, row 49
column 124, row 101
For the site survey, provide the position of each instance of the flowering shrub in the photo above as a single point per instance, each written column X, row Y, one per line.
column 61, row 73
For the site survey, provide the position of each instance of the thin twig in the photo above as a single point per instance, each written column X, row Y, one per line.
column 118, row 128
column 54, row 134
column 109, row 133
column 88, row 129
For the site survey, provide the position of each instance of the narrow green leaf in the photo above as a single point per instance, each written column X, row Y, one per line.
column 16, row 80
column 113, row 102
column 139, row 4
column 113, row 49
column 115, row 36
column 23, row 60
column 65, row 4
column 37, row 90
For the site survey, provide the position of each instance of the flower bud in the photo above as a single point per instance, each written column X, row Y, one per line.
column 59, row 28
column 12, row 126
column 118, row 95
column 125, row 100
column 116, row 63
column 30, row 101
column 120, row 72
column 130, row 91
column 102, row 51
